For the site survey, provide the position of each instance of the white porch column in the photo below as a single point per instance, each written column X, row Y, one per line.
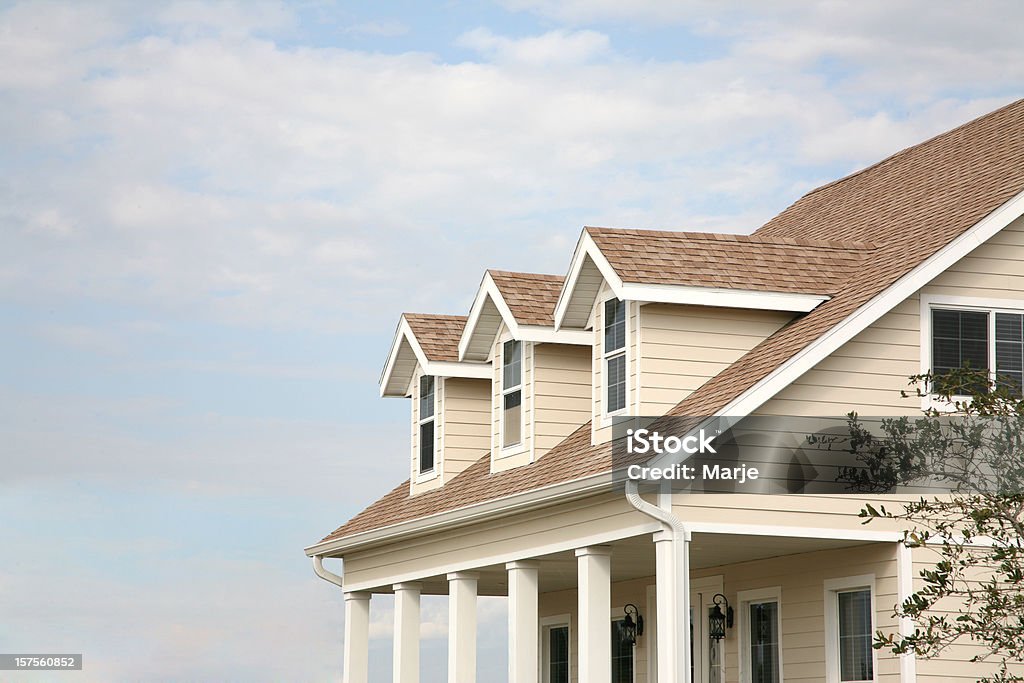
column 672, row 556
column 905, row 580
column 523, row 622
column 357, row 637
column 462, row 592
column 665, row 590
column 406, row 663
column 595, row 605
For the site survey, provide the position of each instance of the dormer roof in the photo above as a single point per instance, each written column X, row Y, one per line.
column 524, row 302
column 430, row 341
column 707, row 269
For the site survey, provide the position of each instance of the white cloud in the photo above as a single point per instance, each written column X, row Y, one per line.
column 554, row 47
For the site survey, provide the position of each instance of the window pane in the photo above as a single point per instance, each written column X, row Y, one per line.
column 558, row 655
column 616, row 383
column 614, row 325
column 426, row 397
column 622, row 655
column 764, row 642
column 427, row 446
column 512, row 417
column 512, row 364
column 855, row 662
column 1010, row 350
column 959, row 339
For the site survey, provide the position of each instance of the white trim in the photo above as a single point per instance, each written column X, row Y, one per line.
column 618, row 614
column 419, row 476
column 726, row 297
column 930, row 302
column 837, row 534
column 833, row 587
column 743, row 600
column 574, row 544
column 538, row 333
column 651, row 631
column 905, row 587
column 638, row 357
column 606, row 416
column 430, row 367
column 544, row 649
column 519, row 447
column 702, row 590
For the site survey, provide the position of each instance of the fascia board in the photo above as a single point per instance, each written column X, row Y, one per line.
column 586, row 248
column 720, row 296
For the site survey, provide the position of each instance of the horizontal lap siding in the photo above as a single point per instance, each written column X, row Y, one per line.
column 802, row 580
column 467, row 435
column 993, row 270
column 562, row 393
column 682, row 347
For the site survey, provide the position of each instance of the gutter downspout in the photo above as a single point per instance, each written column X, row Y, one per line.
column 318, row 569
column 681, row 581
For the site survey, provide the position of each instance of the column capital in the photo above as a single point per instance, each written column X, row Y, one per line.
column 522, row 564
column 407, row 586
column 464, row 576
column 358, row 596
column 598, row 550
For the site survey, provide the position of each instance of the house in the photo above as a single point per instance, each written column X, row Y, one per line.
column 828, row 307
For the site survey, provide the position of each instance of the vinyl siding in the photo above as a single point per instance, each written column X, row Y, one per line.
column 682, row 347
column 561, row 393
column 466, row 419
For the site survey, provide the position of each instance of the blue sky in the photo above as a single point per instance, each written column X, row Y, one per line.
column 212, row 214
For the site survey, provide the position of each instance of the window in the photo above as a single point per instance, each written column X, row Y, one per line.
column 426, row 423
column 849, row 629
column 557, row 655
column 615, row 355
column 982, row 340
column 622, row 655
column 760, row 623
column 855, row 636
column 511, row 393
column 764, row 641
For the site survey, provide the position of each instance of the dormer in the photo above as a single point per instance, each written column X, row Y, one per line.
column 540, row 383
column 668, row 311
column 451, row 399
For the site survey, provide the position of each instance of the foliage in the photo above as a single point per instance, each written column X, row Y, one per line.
column 971, row 446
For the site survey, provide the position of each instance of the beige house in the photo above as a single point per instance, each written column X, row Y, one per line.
column 827, row 308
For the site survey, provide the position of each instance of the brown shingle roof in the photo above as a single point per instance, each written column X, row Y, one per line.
column 910, row 205
column 750, row 262
column 530, row 296
column 438, row 335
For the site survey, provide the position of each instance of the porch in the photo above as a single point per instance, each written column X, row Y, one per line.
column 567, row 610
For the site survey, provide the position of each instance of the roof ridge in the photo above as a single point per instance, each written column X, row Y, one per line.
column 524, row 274
column 436, row 316
column 908, row 149
column 739, row 237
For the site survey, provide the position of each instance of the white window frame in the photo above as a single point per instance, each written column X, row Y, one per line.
column 606, row 416
column 520, row 446
column 744, row 599
column 546, row 624
column 930, row 302
column 618, row 614
column 833, row 587
column 435, row 472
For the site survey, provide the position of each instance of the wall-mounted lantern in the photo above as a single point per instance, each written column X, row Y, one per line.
column 631, row 628
column 718, row 620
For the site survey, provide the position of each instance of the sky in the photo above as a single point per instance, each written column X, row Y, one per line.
column 212, row 215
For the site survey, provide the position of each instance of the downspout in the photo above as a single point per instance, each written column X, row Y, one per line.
column 318, row 569
column 681, row 566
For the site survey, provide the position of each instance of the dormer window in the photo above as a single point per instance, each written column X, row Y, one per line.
column 426, row 423
column 511, row 393
column 615, row 355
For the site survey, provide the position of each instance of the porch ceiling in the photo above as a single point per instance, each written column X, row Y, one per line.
column 633, row 558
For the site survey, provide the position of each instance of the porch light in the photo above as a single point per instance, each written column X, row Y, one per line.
column 632, row 628
column 718, row 620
